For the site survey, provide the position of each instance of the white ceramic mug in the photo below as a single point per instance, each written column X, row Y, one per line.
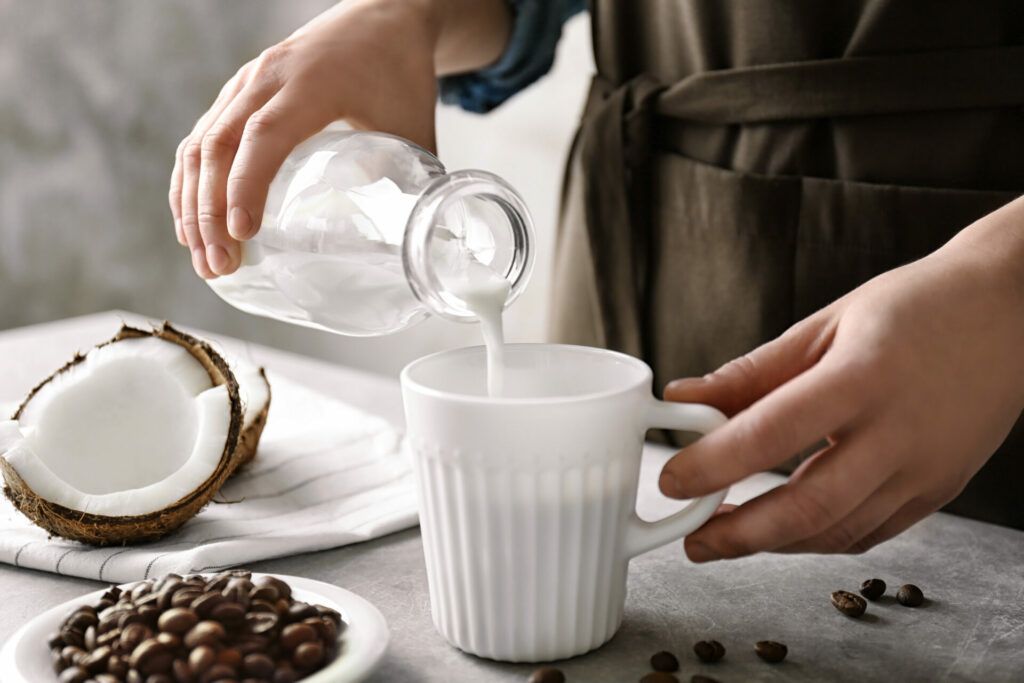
column 527, row 502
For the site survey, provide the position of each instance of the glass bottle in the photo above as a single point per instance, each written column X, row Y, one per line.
column 366, row 234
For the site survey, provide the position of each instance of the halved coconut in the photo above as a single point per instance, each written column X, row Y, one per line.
column 129, row 441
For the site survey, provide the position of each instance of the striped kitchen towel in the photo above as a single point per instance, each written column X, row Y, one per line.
column 326, row 474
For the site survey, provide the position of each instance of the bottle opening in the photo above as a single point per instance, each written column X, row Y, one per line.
column 468, row 237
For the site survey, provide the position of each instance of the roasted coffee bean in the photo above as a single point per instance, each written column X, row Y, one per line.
column 178, row 620
column 72, row 654
column 72, row 636
column 266, row 593
column 308, row 655
column 910, row 595
column 106, row 678
column 118, row 665
column 281, row 607
column 659, row 677
column 299, row 611
column 202, row 658
column 159, row 678
column 283, row 589
column 217, row 672
column 140, row 590
column 55, row 641
column 130, row 617
column 228, row 613
column 231, row 657
column 205, row 633
column 284, row 673
column 172, row 641
column 151, row 657
column 132, row 635
column 133, row 676
column 110, row 618
column 113, row 594
column 709, row 651
column 548, row 674
column 258, row 605
column 664, row 661
column 247, row 644
column 698, row 678
column 294, row 635
column 218, row 582
column 258, row 665
column 151, row 598
column 185, row 596
column 770, row 651
column 872, row 589
column 90, row 638
column 96, row 661
column 206, row 602
column 73, row 674
column 167, row 594
column 237, row 595
column 181, row 671
column 58, row 662
column 111, row 638
column 331, row 614
column 848, row 603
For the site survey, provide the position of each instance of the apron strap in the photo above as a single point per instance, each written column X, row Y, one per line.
column 614, row 142
column 854, row 86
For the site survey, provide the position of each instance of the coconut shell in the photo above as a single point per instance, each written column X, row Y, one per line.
column 105, row 530
column 250, row 437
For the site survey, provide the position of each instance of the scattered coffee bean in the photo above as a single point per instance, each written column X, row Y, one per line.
column 664, row 661
column 194, row 630
column 548, row 674
column 872, row 589
column 910, row 595
column 770, row 651
column 848, row 603
column 698, row 678
column 709, row 651
column 659, row 677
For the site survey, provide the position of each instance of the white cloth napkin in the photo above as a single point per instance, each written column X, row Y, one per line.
column 326, row 474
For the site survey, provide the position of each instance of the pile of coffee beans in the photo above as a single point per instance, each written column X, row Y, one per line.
column 196, row 630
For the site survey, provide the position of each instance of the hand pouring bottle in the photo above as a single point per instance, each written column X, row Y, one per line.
column 366, row 234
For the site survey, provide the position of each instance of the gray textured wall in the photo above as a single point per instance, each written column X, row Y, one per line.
column 94, row 97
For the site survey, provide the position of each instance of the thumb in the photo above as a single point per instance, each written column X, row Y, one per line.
column 742, row 381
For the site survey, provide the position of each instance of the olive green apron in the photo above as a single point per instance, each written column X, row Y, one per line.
column 740, row 165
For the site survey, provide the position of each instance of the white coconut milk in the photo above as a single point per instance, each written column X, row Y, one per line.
column 484, row 293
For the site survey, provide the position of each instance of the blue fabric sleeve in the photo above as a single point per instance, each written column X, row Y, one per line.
column 536, row 29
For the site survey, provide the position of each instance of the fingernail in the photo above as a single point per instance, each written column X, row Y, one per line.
column 669, row 485
column 179, row 233
column 239, row 223
column 218, row 258
column 698, row 552
column 199, row 262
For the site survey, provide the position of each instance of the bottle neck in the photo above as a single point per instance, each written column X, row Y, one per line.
column 468, row 230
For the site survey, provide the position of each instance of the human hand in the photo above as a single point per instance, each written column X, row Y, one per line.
column 370, row 62
column 914, row 378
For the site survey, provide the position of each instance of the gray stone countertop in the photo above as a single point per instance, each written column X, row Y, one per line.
column 971, row 627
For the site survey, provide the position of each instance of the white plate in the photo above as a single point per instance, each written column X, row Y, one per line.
column 25, row 657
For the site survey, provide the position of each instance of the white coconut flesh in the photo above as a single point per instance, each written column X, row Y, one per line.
column 133, row 428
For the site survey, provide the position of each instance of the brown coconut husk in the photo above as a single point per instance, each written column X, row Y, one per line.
column 105, row 530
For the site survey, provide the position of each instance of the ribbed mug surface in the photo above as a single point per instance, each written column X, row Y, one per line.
column 525, row 565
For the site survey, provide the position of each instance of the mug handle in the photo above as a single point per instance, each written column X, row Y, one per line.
column 642, row 536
